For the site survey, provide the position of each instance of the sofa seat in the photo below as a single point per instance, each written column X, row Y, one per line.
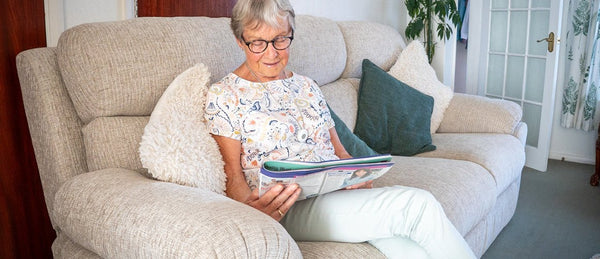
column 318, row 250
column 502, row 155
column 465, row 190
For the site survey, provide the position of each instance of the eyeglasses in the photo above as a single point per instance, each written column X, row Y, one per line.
column 279, row 43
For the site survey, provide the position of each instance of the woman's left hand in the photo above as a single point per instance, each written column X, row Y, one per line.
column 364, row 185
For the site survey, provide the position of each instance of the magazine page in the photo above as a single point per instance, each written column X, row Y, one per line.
column 287, row 165
column 321, row 179
column 310, row 184
column 348, row 176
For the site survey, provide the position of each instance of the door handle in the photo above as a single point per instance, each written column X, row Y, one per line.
column 550, row 41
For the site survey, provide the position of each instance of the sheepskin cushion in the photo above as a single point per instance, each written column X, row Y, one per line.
column 176, row 146
column 412, row 68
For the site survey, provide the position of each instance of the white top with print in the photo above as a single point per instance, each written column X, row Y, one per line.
column 269, row 119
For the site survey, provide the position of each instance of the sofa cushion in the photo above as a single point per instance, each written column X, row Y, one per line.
column 465, row 189
column 342, row 97
column 501, row 155
column 318, row 50
column 122, row 68
column 317, row 250
column 368, row 40
column 413, row 69
column 112, row 142
column 478, row 114
column 352, row 143
column 176, row 145
column 393, row 118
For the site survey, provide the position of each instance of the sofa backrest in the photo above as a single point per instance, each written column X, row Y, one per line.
column 115, row 72
column 364, row 40
column 89, row 99
column 122, row 68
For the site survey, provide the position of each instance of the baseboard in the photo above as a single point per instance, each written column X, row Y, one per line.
column 573, row 158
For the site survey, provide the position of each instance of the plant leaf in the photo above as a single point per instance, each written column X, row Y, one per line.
column 414, row 28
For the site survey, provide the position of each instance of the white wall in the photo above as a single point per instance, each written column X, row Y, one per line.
column 389, row 12
column 572, row 145
column 64, row 14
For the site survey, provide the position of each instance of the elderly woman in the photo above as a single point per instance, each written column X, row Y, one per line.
column 261, row 112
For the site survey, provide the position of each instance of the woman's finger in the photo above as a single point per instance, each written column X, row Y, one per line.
column 267, row 198
column 290, row 201
column 363, row 185
column 283, row 196
column 280, row 212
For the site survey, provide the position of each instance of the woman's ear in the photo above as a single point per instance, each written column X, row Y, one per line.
column 240, row 43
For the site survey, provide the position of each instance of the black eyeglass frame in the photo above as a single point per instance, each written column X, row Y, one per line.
column 267, row 43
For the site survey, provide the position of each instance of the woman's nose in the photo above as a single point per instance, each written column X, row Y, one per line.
column 271, row 51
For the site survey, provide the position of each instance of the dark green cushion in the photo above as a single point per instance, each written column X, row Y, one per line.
column 393, row 118
column 354, row 145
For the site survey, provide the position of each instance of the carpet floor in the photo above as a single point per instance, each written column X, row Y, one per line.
column 557, row 216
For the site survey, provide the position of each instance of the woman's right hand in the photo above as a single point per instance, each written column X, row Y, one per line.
column 276, row 201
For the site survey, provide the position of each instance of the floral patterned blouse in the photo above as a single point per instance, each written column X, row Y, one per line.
column 276, row 120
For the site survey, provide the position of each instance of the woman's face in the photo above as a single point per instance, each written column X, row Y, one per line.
column 270, row 64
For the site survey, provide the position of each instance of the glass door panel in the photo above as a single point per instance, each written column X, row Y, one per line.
column 495, row 78
column 534, row 91
column 531, row 116
column 539, row 30
column 514, row 77
column 519, row 4
column 517, row 38
column 540, row 4
column 499, row 4
column 499, row 28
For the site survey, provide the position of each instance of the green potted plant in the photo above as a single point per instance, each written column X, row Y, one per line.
column 425, row 14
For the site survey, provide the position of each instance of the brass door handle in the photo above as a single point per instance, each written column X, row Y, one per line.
column 550, row 41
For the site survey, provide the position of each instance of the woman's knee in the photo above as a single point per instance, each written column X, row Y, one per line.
column 416, row 194
column 417, row 199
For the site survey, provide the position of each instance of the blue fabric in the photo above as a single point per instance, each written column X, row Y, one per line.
column 393, row 118
column 352, row 143
column 462, row 7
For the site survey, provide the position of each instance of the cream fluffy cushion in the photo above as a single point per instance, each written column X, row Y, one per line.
column 413, row 69
column 176, row 146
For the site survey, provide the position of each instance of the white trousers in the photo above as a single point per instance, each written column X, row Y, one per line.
column 392, row 219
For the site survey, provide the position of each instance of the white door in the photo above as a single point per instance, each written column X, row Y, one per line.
column 509, row 58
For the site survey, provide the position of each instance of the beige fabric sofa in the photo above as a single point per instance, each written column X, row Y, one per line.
column 88, row 100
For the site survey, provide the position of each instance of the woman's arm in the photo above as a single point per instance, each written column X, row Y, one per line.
column 236, row 186
column 341, row 152
column 275, row 202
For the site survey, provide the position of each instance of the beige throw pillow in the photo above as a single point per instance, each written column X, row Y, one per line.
column 176, row 146
column 413, row 69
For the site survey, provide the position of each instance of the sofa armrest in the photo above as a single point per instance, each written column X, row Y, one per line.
column 54, row 126
column 118, row 213
column 477, row 114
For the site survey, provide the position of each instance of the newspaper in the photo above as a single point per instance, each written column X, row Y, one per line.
column 317, row 178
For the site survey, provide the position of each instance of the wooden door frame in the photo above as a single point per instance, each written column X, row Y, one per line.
column 26, row 231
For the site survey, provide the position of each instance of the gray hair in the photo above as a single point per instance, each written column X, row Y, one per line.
column 258, row 12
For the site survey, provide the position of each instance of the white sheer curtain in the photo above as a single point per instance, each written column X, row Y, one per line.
column 581, row 94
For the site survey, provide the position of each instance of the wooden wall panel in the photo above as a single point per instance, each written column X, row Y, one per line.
column 25, row 230
column 170, row 8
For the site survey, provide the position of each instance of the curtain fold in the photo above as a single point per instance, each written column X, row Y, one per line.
column 581, row 95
